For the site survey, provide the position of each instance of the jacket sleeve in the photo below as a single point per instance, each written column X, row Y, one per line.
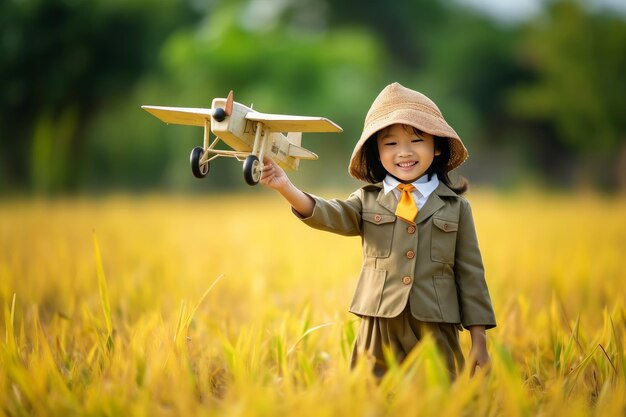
column 474, row 300
column 337, row 216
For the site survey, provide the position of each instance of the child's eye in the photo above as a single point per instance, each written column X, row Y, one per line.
column 417, row 140
column 390, row 143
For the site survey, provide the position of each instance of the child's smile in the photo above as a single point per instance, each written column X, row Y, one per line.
column 407, row 165
column 404, row 154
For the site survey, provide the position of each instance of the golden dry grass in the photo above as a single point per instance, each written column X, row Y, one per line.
column 123, row 336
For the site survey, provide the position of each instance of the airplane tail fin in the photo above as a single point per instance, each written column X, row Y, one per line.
column 295, row 138
column 297, row 151
column 300, row 153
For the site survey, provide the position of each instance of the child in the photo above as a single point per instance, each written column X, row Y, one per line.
column 422, row 269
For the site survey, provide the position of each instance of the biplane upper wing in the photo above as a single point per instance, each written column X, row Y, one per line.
column 287, row 123
column 180, row 115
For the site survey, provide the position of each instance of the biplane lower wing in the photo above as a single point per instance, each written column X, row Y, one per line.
column 187, row 116
column 287, row 123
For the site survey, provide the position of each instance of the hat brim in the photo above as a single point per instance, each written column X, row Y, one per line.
column 427, row 123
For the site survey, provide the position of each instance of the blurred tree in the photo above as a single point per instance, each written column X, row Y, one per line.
column 60, row 61
column 74, row 73
column 470, row 69
column 406, row 28
column 459, row 58
column 280, row 62
column 578, row 58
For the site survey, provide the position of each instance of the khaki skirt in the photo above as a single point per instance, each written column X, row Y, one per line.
column 401, row 334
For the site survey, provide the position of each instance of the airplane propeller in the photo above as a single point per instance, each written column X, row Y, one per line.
column 229, row 103
column 220, row 114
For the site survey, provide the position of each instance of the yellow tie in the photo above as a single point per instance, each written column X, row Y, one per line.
column 407, row 209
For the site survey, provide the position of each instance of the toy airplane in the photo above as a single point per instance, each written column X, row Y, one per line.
column 251, row 135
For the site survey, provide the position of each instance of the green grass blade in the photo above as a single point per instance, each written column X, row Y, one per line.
column 180, row 321
column 308, row 332
column 9, row 319
column 193, row 312
column 103, row 289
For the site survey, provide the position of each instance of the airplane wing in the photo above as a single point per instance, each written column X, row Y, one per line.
column 180, row 115
column 287, row 123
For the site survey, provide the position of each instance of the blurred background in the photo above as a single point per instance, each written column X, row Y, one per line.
column 536, row 89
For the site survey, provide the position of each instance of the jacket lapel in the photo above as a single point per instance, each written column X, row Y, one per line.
column 434, row 202
column 388, row 200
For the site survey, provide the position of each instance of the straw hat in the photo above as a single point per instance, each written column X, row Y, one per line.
column 398, row 104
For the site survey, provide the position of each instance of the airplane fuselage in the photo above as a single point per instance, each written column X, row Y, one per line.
column 239, row 133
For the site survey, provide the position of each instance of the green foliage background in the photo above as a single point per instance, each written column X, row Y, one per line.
column 542, row 99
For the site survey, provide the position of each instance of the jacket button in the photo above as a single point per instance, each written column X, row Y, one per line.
column 410, row 254
column 410, row 230
column 377, row 218
column 406, row 280
column 445, row 226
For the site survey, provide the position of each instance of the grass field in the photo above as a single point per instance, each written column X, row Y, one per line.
column 227, row 305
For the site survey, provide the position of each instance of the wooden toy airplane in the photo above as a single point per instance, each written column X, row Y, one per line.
column 251, row 135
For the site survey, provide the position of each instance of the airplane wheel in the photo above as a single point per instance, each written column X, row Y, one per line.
column 199, row 170
column 252, row 170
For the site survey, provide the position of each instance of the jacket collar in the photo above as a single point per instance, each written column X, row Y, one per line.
column 434, row 202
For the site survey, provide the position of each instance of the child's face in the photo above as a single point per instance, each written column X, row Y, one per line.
column 404, row 154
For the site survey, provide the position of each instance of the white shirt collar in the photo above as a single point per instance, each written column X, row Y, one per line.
column 422, row 185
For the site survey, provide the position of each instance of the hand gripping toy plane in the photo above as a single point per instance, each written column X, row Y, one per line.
column 251, row 135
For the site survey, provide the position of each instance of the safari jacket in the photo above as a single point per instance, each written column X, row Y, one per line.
column 435, row 264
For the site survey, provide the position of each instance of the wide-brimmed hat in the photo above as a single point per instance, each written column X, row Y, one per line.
column 398, row 104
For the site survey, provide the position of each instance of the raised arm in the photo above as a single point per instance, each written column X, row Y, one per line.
column 336, row 216
column 274, row 177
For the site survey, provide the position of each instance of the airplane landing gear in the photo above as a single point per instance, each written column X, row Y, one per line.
column 252, row 170
column 199, row 169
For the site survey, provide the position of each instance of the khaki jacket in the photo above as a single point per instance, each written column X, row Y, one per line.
column 435, row 264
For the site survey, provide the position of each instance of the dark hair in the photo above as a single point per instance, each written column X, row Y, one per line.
column 438, row 167
column 370, row 159
column 375, row 172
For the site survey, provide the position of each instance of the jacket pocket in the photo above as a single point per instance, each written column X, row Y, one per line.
column 447, row 298
column 369, row 291
column 443, row 240
column 378, row 234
